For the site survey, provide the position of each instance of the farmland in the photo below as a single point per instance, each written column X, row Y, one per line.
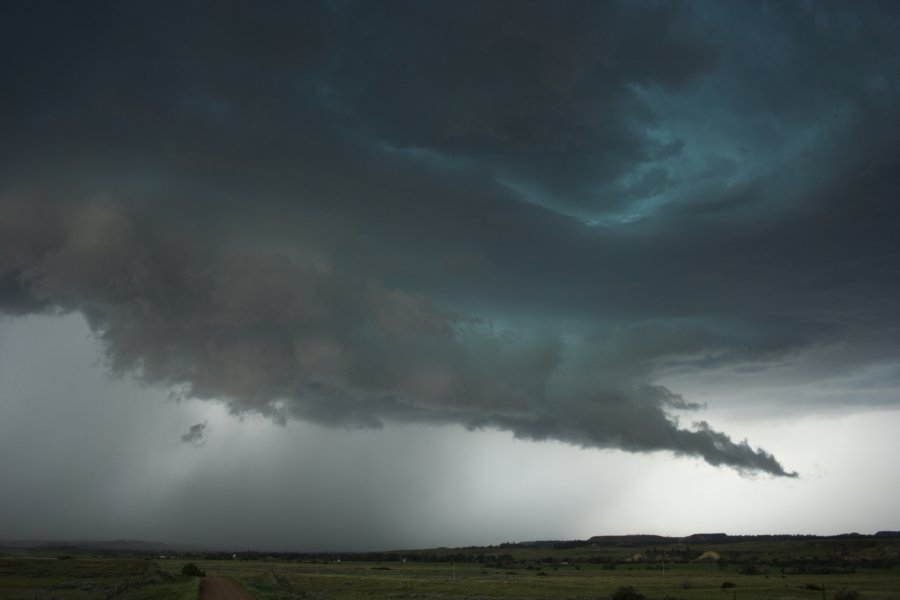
column 802, row 568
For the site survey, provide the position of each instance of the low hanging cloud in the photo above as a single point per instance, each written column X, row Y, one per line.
column 294, row 338
column 196, row 435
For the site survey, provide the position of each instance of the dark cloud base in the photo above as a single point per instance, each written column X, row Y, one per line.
column 292, row 338
column 515, row 215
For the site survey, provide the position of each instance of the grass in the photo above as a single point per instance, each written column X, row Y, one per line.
column 38, row 576
column 794, row 570
column 282, row 581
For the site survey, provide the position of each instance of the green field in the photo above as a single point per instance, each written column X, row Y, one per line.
column 37, row 575
column 811, row 569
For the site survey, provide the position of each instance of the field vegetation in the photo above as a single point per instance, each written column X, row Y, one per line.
column 633, row 568
column 40, row 575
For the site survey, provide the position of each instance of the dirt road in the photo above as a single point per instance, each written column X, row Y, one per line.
column 222, row 588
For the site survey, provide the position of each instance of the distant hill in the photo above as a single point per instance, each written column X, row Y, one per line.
column 597, row 541
column 637, row 540
column 628, row 540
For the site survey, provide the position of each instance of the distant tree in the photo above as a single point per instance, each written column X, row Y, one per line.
column 192, row 570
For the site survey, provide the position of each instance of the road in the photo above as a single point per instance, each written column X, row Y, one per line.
column 222, row 588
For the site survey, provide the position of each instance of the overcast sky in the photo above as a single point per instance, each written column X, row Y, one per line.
column 366, row 275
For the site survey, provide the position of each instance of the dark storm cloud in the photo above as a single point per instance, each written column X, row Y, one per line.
column 358, row 213
column 287, row 337
column 538, row 93
column 196, row 434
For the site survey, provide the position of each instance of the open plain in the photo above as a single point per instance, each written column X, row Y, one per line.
column 805, row 568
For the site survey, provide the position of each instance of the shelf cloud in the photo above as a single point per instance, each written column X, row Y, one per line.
column 512, row 215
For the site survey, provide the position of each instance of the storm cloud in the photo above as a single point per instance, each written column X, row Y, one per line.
column 196, row 434
column 289, row 337
column 520, row 216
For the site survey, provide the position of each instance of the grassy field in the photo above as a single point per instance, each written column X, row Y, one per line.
column 817, row 569
column 270, row 581
column 42, row 576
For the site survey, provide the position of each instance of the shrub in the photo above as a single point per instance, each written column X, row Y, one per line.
column 846, row 594
column 192, row 570
column 626, row 593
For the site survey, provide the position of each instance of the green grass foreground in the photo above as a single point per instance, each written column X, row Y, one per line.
column 40, row 576
column 773, row 570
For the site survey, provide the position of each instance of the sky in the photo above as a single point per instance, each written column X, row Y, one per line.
column 352, row 275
